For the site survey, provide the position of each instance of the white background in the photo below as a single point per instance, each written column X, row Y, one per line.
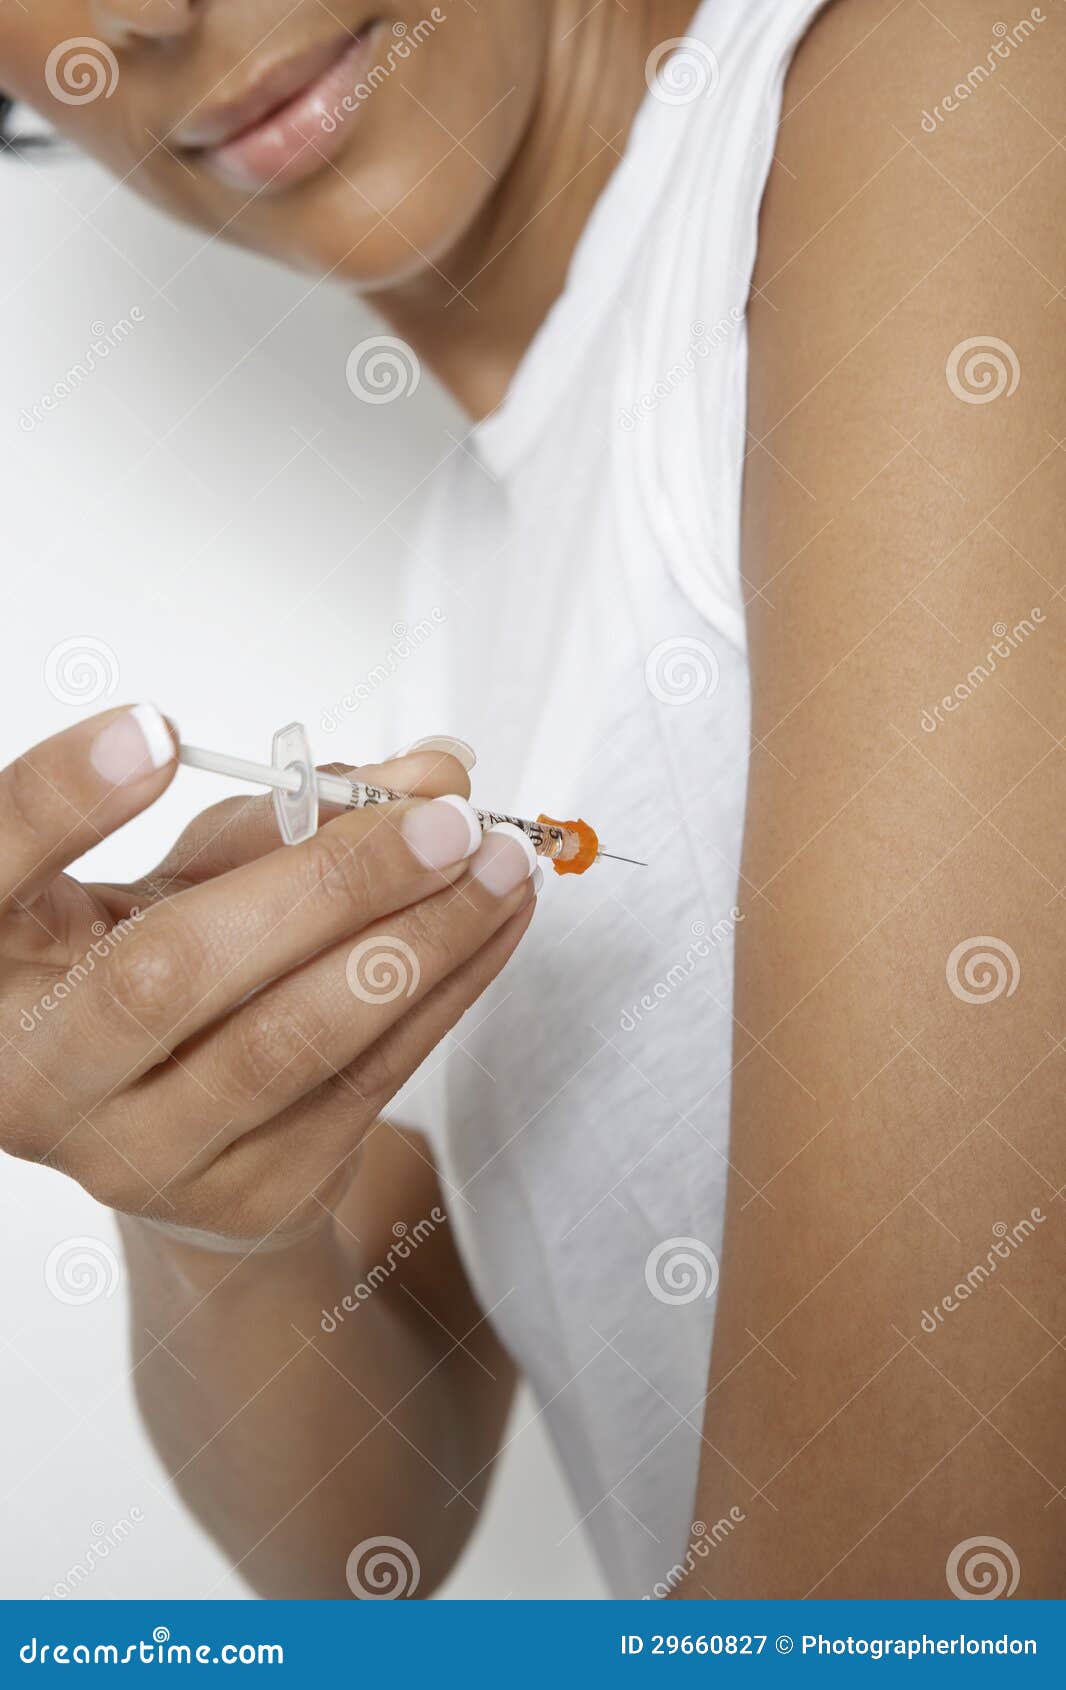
column 214, row 506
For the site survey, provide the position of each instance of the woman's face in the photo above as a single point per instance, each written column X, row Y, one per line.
column 347, row 136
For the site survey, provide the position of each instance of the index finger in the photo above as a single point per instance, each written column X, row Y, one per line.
column 423, row 772
column 197, row 955
column 243, row 829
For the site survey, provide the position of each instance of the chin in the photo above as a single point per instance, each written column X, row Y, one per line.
column 371, row 229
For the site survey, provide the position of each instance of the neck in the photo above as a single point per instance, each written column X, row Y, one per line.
column 472, row 317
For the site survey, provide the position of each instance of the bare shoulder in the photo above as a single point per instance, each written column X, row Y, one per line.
column 906, row 473
column 918, row 194
column 887, row 1372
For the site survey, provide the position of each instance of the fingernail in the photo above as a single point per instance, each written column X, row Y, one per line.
column 457, row 748
column 132, row 745
column 505, row 859
column 538, row 880
column 441, row 832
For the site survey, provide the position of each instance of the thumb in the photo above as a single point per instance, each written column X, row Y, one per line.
column 70, row 791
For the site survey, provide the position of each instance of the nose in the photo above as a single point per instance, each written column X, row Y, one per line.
column 120, row 21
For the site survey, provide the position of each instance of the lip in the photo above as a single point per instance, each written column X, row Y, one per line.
column 288, row 124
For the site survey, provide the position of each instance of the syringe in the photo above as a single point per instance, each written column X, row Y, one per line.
column 571, row 846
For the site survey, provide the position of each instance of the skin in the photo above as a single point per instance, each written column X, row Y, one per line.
column 203, row 1113
column 462, row 248
column 881, row 1126
column 464, row 182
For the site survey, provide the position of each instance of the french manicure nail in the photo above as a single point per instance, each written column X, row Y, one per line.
column 457, row 748
column 442, row 832
column 132, row 745
column 505, row 859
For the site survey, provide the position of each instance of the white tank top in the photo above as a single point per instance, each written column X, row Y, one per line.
column 577, row 585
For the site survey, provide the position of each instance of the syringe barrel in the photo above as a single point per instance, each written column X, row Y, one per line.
column 547, row 839
column 571, row 846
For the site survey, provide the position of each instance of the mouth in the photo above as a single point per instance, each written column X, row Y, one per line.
column 288, row 124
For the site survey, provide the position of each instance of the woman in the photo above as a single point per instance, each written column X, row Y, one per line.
column 762, row 394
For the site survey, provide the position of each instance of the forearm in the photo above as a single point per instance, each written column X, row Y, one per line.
column 291, row 1442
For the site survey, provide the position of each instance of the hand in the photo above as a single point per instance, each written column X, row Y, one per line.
column 208, row 1047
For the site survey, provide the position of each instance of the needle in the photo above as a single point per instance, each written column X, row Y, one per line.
column 616, row 859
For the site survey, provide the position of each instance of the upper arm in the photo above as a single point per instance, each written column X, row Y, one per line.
column 898, row 1121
